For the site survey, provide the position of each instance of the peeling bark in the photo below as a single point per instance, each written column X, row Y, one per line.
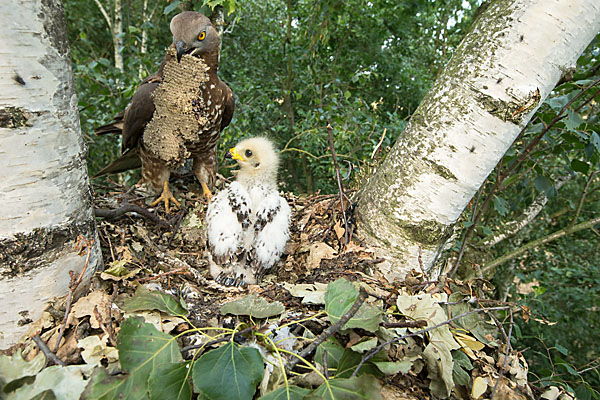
column 45, row 189
column 513, row 56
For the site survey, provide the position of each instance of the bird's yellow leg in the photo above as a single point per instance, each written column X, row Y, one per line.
column 166, row 196
column 206, row 193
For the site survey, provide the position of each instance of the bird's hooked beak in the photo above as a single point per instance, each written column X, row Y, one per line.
column 181, row 48
column 233, row 154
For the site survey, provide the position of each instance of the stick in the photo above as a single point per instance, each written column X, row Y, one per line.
column 339, row 182
column 127, row 208
column 50, row 356
column 329, row 331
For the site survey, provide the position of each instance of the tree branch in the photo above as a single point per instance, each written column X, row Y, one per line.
column 541, row 241
column 511, row 228
column 105, row 15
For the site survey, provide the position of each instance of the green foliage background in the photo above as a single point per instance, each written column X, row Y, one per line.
column 363, row 67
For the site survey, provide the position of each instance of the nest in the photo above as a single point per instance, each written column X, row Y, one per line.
column 180, row 110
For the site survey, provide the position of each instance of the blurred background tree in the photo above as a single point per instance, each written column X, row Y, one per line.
column 363, row 67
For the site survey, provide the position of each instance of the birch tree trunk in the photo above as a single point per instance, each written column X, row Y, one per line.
column 44, row 190
column 512, row 58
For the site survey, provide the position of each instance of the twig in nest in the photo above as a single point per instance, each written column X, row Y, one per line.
column 508, row 349
column 177, row 225
column 81, row 244
column 178, row 271
column 406, row 324
column 339, row 182
column 329, row 331
column 50, row 356
column 377, row 349
column 127, row 208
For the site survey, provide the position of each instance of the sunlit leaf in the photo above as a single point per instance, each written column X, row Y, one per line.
column 230, row 372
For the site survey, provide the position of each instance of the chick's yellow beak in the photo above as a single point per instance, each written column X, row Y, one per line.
column 235, row 155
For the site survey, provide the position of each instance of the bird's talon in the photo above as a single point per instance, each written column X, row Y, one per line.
column 206, row 193
column 166, row 196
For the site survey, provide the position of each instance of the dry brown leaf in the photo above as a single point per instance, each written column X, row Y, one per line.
column 317, row 252
column 85, row 306
column 339, row 230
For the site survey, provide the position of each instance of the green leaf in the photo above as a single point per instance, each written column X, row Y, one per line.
column 360, row 387
column 62, row 382
column 254, row 306
column 595, row 141
column 334, row 352
column 143, row 350
column 230, row 372
column 561, row 349
column 174, row 4
column 340, row 297
column 170, row 382
column 286, row 393
column 462, row 365
column 365, row 344
column 500, row 205
column 580, row 166
column 573, row 120
column 557, row 103
column 14, row 367
column 393, row 367
column 350, row 360
column 542, row 184
column 467, row 224
column 144, row 299
column 347, row 94
column 440, row 366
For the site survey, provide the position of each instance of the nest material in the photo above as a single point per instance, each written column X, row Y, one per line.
column 180, row 110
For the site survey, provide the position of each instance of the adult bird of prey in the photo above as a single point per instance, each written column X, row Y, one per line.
column 178, row 112
column 248, row 222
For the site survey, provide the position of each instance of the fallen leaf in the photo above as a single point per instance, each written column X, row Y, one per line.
column 339, row 230
column 85, row 306
column 480, row 385
column 317, row 252
column 311, row 293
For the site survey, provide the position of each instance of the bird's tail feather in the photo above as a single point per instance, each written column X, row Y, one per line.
column 129, row 160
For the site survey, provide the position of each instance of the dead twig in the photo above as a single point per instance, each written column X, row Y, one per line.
column 130, row 208
column 508, row 349
column 81, row 244
column 51, row 358
column 339, row 182
column 178, row 271
column 329, row 331
column 406, row 324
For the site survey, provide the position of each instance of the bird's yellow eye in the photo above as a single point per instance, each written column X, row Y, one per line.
column 202, row 35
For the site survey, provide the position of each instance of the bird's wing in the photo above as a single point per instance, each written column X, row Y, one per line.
column 228, row 219
column 139, row 112
column 229, row 108
column 272, row 230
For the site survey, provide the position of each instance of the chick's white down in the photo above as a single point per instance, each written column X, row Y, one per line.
column 248, row 222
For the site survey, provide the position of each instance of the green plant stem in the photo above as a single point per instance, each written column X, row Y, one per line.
column 541, row 241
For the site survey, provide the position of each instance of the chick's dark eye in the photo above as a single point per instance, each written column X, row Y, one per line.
column 248, row 153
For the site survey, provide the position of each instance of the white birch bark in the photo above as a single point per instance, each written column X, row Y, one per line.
column 44, row 190
column 118, row 35
column 116, row 30
column 502, row 71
